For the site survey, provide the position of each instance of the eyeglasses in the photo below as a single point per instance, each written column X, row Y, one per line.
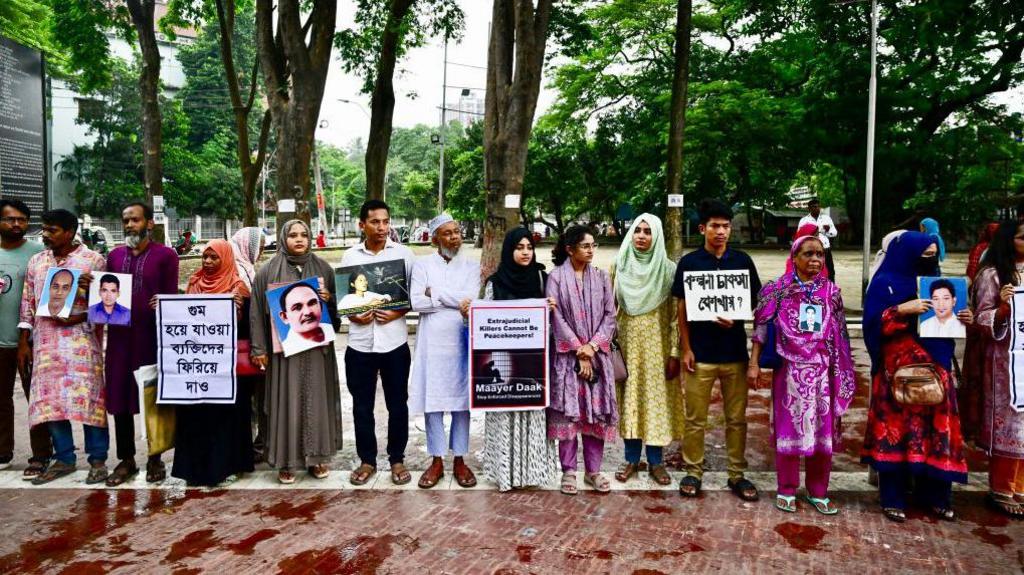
column 587, row 247
column 13, row 220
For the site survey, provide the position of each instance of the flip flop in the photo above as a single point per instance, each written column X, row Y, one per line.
column 823, row 505
column 786, row 503
column 362, row 474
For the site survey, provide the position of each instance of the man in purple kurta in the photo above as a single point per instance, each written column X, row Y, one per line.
column 154, row 270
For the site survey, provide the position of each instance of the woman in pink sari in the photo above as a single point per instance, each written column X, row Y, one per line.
column 813, row 384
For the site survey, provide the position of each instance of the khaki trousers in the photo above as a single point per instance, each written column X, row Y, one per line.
column 698, row 387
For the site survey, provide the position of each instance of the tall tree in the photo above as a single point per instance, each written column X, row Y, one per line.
column 677, row 127
column 80, row 27
column 294, row 57
column 385, row 31
column 241, row 90
column 515, row 60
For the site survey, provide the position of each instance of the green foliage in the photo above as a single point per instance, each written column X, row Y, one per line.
column 359, row 47
column 80, row 30
column 27, row 22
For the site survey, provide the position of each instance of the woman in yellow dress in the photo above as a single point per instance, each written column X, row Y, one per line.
column 650, row 400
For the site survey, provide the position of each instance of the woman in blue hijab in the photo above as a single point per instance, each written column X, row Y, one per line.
column 901, row 440
column 931, row 227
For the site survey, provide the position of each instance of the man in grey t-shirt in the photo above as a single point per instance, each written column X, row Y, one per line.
column 15, row 251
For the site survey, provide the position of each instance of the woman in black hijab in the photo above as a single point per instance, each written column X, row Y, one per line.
column 517, row 451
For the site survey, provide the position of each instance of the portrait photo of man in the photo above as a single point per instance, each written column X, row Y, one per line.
column 303, row 323
column 810, row 319
column 942, row 293
column 59, row 295
column 107, row 309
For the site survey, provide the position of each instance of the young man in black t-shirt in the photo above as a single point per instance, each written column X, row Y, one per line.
column 713, row 350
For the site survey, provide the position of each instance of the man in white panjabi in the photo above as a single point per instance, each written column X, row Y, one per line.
column 442, row 285
column 945, row 322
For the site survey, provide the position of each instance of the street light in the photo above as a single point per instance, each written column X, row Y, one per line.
column 356, row 104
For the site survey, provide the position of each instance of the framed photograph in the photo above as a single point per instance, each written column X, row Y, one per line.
column 949, row 297
column 378, row 285
column 300, row 319
column 59, row 292
column 110, row 299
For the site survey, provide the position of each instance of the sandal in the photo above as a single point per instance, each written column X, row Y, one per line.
column 56, row 470
column 432, row 474
column 399, row 474
column 894, row 514
column 463, row 474
column 34, row 469
column 319, row 471
column 944, row 513
column 598, row 481
column 626, row 471
column 660, row 475
column 285, row 477
column 97, row 474
column 156, row 471
column 822, row 505
column 690, row 486
column 362, row 474
column 1004, row 504
column 786, row 503
column 122, row 473
column 743, row 489
column 569, row 486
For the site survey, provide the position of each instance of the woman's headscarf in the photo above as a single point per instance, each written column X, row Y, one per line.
column 895, row 283
column 931, row 227
column 806, row 230
column 514, row 281
column 643, row 279
column 246, row 245
column 282, row 244
column 880, row 255
column 224, row 280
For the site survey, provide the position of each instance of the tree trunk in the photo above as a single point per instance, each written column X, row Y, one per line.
column 249, row 166
column 149, row 88
column 677, row 128
column 382, row 102
column 515, row 59
column 295, row 57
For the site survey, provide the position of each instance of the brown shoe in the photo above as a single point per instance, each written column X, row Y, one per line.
column 433, row 474
column 122, row 473
column 463, row 474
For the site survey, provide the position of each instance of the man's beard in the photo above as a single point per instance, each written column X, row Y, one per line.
column 12, row 237
column 447, row 253
column 133, row 240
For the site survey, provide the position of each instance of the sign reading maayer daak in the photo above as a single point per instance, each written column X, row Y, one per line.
column 196, row 349
column 508, row 355
column 717, row 294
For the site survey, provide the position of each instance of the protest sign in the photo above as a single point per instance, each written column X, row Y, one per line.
column 299, row 318
column 949, row 297
column 59, row 293
column 196, row 349
column 1016, row 363
column 377, row 285
column 508, row 358
column 717, row 294
column 110, row 299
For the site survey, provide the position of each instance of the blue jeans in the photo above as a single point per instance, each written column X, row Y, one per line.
column 633, row 448
column 97, row 442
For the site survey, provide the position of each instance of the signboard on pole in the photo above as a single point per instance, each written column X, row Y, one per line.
column 508, row 355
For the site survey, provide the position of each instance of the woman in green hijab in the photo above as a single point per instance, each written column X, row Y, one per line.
column 650, row 400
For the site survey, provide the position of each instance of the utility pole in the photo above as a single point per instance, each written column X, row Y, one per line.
column 870, row 175
column 444, row 110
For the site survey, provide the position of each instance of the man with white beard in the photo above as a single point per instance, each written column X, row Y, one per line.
column 154, row 270
column 441, row 287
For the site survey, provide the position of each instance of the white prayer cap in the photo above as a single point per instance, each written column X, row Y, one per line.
column 438, row 222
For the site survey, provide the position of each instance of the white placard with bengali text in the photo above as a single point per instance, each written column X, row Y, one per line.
column 717, row 294
column 196, row 348
column 1016, row 363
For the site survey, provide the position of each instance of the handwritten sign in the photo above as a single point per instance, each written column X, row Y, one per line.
column 197, row 347
column 1016, row 363
column 717, row 294
column 508, row 359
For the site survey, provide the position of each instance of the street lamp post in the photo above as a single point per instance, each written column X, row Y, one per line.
column 869, row 176
column 444, row 110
